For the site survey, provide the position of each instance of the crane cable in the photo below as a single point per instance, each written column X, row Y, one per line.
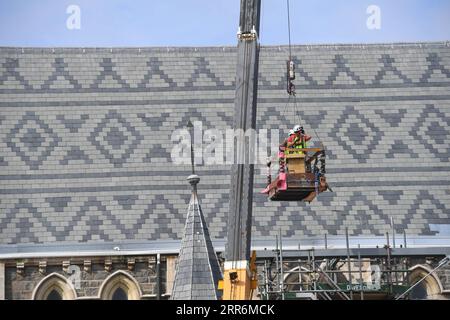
column 283, row 114
column 296, row 116
column 289, row 29
column 290, row 57
column 314, row 130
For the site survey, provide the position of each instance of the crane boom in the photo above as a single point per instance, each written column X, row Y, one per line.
column 238, row 284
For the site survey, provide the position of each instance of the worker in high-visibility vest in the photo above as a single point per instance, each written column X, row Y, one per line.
column 282, row 150
column 299, row 139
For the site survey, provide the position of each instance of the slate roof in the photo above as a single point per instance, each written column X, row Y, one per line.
column 85, row 139
column 198, row 271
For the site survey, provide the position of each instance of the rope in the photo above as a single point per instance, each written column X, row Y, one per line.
column 285, row 107
column 283, row 113
column 314, row 130
column 261, row 24
column 289, row 28
column 296, row 116
column 296, row 113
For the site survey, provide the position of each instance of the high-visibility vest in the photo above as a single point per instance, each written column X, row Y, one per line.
column 299, row 146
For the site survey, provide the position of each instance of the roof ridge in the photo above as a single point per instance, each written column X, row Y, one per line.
column 425, row 44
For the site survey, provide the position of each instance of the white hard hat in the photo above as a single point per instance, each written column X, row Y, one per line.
column 291, row 132
column 297, row 128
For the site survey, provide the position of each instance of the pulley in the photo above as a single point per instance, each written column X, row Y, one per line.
column 290, row 72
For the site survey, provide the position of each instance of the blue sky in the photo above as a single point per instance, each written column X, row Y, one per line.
column 131, row 23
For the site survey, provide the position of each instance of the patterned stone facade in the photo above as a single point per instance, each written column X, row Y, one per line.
column 85, row 140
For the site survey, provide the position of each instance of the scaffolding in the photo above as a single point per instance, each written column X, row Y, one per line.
column 331, row 274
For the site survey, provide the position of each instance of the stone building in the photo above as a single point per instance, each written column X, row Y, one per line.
column 93, row 206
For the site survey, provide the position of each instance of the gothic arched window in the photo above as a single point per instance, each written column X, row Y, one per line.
column 120, row 286
column 54, row 287
column 429, row 287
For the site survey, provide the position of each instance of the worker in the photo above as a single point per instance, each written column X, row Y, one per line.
column 282, row 149
column 284, row 144
column 299, row 139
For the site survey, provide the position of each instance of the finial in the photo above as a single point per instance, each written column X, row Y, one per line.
column 193, row 179
column 191, row 133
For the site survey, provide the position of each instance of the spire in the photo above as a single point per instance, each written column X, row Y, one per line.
column 198, row 271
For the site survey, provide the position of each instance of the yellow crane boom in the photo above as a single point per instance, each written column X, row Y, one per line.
column 239, row 273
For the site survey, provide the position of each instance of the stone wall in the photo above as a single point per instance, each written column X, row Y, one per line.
column 444, row 277
column 19, row 283
column 87, row 275
column 2, row 281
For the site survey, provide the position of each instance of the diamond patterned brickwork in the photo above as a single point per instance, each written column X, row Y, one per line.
column 85, row 139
